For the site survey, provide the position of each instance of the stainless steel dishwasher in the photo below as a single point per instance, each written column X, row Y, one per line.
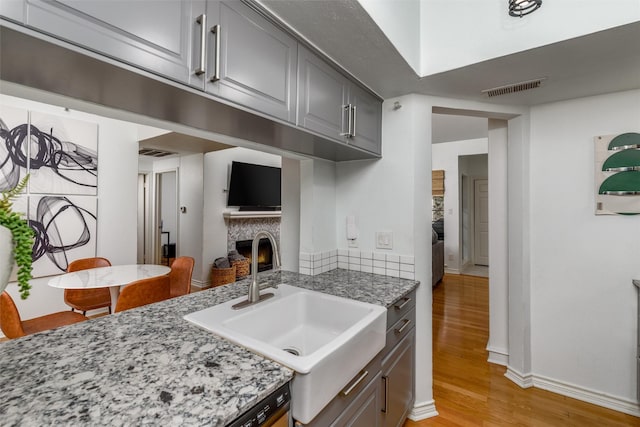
column 272, row 411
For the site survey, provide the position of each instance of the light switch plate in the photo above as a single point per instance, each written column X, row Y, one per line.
column 384, row 240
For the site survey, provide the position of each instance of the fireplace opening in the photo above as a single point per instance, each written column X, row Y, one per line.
column 265, row 252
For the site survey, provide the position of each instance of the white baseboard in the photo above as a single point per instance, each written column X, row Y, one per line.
column 424, row 410
column 574, row 391
column 200, row 284
column 586, row 395
column 498, row 356
column 451, row 270
column 522, row 380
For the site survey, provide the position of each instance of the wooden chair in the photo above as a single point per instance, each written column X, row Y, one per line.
column 13, row 327
column 143, row 292
column 180, row 276
column 87, row 299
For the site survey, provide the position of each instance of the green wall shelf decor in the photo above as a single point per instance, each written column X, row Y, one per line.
column 617, row 174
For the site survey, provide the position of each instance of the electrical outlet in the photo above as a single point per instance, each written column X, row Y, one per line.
column 384, row 240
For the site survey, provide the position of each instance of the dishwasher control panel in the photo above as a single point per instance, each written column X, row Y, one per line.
column 276, row 404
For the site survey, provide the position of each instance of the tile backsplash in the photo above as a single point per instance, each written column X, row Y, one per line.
column 385, row 264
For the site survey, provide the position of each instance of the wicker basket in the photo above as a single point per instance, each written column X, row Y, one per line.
column 222, row 276
column 242, row 267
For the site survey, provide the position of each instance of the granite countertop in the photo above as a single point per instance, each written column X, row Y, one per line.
column 150, row 366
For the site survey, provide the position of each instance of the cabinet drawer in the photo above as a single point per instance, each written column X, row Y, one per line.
column 400, row 308
column 399, row 330
column 340, row 403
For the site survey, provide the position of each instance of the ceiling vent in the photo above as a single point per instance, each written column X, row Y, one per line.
column 154, row 152
column 513, row 88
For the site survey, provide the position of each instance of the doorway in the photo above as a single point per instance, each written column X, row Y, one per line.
column 491, row 179
column 166, row 217
column 143, row 241
column 481, row 222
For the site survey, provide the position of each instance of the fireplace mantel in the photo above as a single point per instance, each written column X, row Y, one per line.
column 251, row 214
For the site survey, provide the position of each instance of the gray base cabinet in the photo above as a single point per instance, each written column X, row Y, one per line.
column 398, row 382
column 383, row 393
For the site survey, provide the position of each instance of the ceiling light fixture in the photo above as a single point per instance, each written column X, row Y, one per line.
column 520, row 8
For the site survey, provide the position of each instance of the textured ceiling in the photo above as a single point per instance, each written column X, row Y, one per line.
column 602, row 62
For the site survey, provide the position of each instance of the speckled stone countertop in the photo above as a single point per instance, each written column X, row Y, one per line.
column 148, row 366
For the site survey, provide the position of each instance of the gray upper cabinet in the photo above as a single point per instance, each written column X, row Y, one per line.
column 367, row 120
column 12, row 9
column 322, row 96
column 332, row 105
column 155, row 35
column 249, row 61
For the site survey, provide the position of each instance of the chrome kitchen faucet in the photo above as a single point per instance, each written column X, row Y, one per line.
column 254, row 289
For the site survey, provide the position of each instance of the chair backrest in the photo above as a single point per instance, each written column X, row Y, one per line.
column 86, row 263
column 180, row 276
column 10, row 321
column 143, row 292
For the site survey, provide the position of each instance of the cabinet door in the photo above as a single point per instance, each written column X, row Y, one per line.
column 322, row 95
column 154, row 35
column 398, row 382
column 368, row 120
column 257, row 62
column 364, row 410
column 12, row 9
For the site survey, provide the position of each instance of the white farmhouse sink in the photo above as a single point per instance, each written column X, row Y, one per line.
column 334, row 338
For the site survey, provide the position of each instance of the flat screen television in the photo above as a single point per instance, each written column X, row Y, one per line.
column 254, row 187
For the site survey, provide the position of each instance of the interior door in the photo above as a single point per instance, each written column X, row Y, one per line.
column 481, row 222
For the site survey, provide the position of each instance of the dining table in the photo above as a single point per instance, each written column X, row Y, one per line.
column 112, row 277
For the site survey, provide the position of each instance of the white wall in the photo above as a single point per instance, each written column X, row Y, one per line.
column 583, row 306
column 498, row 244
column 456, row 33
column 318, row 206
column 216, row 182
column 187, row 232
column 190, row 196
column 117, row 201
column 290, row 224
column 445, row 157
column 400, row 21
column 169, row 206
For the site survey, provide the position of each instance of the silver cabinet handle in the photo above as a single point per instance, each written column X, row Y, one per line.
column 346, row 108
column 403, row 327
column 355, row 384
column 202, row 20
column 401, row 306
column 386, row 393
column 353, row 121
column 216, row 66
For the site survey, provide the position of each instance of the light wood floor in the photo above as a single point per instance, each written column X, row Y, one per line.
column 469, row 391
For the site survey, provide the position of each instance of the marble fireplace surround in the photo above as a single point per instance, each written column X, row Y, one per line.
column 246, row 229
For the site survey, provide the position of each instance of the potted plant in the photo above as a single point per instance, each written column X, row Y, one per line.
column 16, row 241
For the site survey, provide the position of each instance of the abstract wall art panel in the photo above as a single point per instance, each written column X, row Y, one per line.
column 617, row 174
column 63, row 155
column 65, row 229
column 13, row 146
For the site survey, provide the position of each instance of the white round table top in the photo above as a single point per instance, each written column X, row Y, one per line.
column 102, row 277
